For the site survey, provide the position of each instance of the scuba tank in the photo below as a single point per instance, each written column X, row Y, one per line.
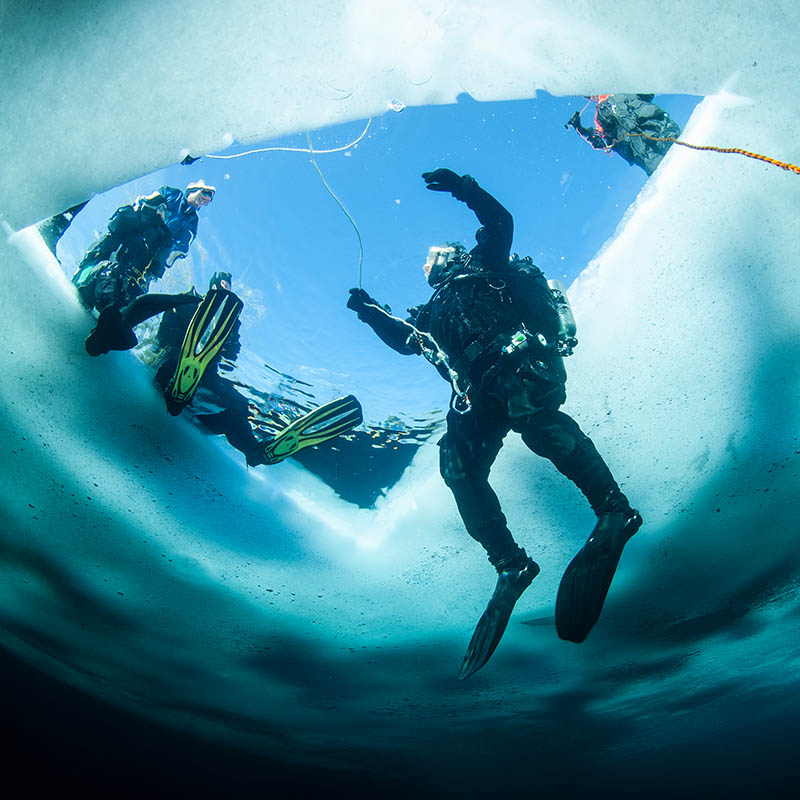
column 566, row 321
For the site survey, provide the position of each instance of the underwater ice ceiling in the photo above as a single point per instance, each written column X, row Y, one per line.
column 239, row 71
column 142, row 563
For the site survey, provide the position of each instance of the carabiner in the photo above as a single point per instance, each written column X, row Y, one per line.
column 460, row 398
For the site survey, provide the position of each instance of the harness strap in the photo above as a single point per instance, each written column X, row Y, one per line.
column 481, row 355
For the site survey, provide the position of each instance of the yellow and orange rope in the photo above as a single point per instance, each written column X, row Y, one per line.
column 782, row 164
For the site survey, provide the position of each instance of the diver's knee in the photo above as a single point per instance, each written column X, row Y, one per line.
column 459, row 475
column 553, row 434
column 455, row 479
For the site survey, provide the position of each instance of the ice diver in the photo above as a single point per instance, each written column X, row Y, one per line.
column 492, row 329
column 143, row 239
column 194, row 336
column 617, row 116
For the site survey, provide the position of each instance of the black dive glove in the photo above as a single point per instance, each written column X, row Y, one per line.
column 359, row 300
column 574, row 121
column 445, row 180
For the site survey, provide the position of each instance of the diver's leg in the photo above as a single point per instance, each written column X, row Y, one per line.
column 108, row 288
column 588, row 577
column 111, row 332
column 114, row 329
column 233, row 422
column 148, row 305
column 467, row 452
column 556, row 436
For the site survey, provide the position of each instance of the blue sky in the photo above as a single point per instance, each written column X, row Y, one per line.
column 294, row 254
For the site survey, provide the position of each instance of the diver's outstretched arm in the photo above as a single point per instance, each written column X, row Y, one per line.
column 393, row 331
column 497, row 221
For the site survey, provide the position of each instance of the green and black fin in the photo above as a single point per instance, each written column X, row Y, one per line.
column 210, row 326
column 319, row 425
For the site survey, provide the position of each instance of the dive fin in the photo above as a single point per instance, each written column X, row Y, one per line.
column 111, row 333
column 511, row 583
column 586, row 581
column 319, row 425
column 213, row 320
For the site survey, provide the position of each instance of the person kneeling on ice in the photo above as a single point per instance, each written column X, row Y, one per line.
column 195, row 334
column 630, row 125
column 497, row 332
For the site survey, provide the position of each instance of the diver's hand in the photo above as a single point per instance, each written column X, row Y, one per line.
column 442, row 180
column 574, row 121
column 360, row 302
column 359, row 299
column 462, row 187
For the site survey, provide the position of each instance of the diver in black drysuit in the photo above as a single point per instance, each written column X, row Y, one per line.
column 481, row 299
column 229, row 409
column 114, row 275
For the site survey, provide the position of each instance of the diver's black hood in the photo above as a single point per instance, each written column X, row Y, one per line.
column 458, row 263
column 440, row 275
column 462, row 261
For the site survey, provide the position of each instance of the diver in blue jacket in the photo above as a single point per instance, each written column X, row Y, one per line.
column 143, row 240
column 492, row 330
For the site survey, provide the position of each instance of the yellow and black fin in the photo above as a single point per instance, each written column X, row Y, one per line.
column 210, row 326
column 319, row 425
